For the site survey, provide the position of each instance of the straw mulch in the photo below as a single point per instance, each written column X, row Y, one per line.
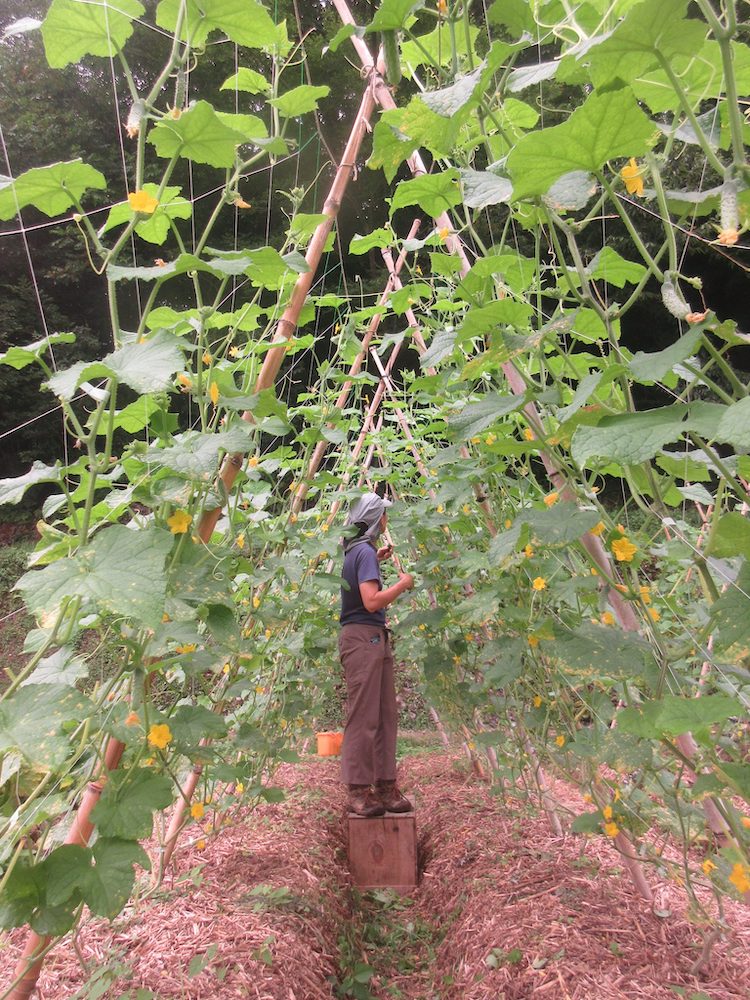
column 500, row 880
column 559, row 913
column 266, row 947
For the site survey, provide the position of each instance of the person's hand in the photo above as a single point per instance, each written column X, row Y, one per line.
column 385, row 552
column 407, row 579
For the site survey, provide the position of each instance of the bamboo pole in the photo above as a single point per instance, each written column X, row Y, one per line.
column 365, row 430
column 288, row 323
column 321, row 447
column 178, row 814
column 30, row 962
column 411, row 319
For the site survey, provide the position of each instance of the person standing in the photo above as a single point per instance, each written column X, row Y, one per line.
column 368, row 754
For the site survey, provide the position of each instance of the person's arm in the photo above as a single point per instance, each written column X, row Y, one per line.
column 375, row 600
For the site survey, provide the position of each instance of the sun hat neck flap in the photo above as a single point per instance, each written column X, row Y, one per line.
column 366, row 513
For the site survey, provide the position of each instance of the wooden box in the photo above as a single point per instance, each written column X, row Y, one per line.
column 383, row 851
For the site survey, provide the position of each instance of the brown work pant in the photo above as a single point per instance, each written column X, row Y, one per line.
column 369, row 751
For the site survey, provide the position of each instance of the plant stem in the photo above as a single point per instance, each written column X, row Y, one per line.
column 700, row 135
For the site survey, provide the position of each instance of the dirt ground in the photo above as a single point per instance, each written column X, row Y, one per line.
column 265, row 909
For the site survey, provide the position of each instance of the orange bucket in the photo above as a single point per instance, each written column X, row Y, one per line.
column 329, row 744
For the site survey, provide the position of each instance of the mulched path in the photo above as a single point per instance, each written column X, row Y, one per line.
column 555, row 916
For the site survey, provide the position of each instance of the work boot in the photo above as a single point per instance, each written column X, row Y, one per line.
column 363, row 802
column 390, row 795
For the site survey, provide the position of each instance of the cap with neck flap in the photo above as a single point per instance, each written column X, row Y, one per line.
column 366, row 513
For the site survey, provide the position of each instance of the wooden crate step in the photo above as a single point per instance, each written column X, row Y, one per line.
column 383, row 851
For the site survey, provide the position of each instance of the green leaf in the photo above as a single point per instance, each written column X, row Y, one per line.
column 246, row 22
column 588, row 385
column 696, row 203
column 683, row 465
column 505, row 312
column 609, row 266
column 248, row 81
column 630, row 438
column 265, row 267
column 196, row 455
column 299, row 101
column 482, row 188
column 477, row 417
column 66, row 871
column 587, row 823
column 730, row 611
column 200, row 135
column 135, row 416
column 12, row 490
column 516, row 15
column 377, row 239
column 121, row 571
column 60, row 667
column 31, row 721
column 303, row 225
column 392, row 15
column 441, row 347
column 110, row 881
column 588, row 327
column 650, row 368
column 191, row 723
column 447, row 265
column 147, row 366
column 701, row 74
column 156, row 227
column 434, row 193
column 730, row 536
column 127, row 803
column 530, row 76
column 505, row 543
column 558, row 525
column 673, row 715
column 271, row 794
column 738, row 776
column 76, row 28
column 51, row 189
column 450, row 100
column 21, row 357
column 734, row 426
column 572, row 191
column 25, row 901
column 607, row 126
column 390, row 147
column 513, row 269
column 709, row 127
column 425, row 127
column 344, row 32
column 600, row 652
column 648, row 32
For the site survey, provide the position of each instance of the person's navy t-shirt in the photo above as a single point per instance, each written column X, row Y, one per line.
column 360, row 564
